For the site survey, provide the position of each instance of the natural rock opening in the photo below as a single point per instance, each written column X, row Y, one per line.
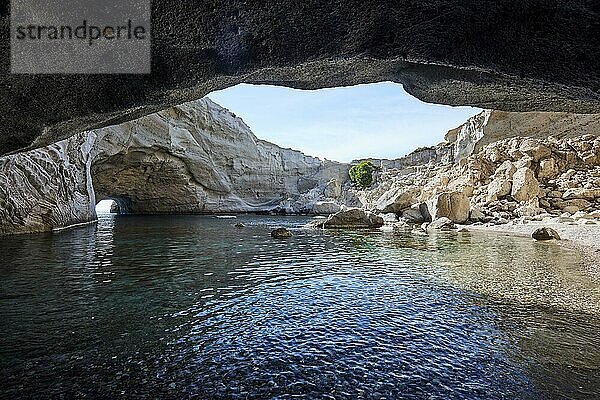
column 197, row 158
column 113, row 205
column 107, row 206
column 510, row 55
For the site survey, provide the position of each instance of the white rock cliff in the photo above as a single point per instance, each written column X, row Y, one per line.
column 194, row 158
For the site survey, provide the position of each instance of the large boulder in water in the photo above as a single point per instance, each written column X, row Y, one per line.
column 350, row 218
column 545, row 234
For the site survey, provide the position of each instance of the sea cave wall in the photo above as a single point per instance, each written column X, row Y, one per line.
column 523, row 55
column 194, row 158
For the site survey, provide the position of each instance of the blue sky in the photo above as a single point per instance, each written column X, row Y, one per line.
column 377, row 120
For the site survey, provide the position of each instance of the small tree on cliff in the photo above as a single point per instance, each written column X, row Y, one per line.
column 361, row 174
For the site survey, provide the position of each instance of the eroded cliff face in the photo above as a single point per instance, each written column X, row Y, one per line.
column 194, row 158
column 490, row 126
column 47, row 188
column 508, row 166
column 199, row 157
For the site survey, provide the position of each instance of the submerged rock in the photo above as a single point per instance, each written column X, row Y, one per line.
column 281, row 233
column 542, row 234
column 441, row 224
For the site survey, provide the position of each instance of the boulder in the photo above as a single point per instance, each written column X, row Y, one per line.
column 545, row 234
column 476, row 215
column 281, row 233
column 424, row 211
column 463, row 184
column 571, row 209
column 593, row 215
column 397, row 199
column 581, row 193
column 548, row 169
column 529, row 209
column 574, row 205
column 332, row 189
column 413, row 215
column 325, row 208
column 506, row 169
column 350, row 218
column 524, row 162
column 441, row 224
column 453, row 205
column 535, row 149
column 524, row 186
column 498, row 188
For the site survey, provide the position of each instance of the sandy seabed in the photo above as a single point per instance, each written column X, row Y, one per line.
column 581, row 237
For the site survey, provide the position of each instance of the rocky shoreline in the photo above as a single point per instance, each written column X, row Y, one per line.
column 481, row 181
column 497, row 170
column 581, row 238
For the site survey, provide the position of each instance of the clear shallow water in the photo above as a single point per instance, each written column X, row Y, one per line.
column 178, row 307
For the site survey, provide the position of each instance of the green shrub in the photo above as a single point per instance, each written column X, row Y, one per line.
column 361, row 174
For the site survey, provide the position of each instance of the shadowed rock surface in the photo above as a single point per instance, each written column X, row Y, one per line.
column 543, row 234
column 510, row 55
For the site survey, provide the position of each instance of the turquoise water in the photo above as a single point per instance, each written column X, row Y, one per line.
column 191, row 306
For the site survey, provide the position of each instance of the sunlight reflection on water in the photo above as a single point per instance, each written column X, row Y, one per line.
column 182, row 306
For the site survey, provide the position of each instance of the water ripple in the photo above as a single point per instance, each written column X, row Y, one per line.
column 177, row 307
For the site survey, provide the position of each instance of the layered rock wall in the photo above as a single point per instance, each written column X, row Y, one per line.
column 194, row 158
column 491, row 126
column 47, row 188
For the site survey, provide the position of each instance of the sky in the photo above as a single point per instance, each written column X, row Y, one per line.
column 343, row 124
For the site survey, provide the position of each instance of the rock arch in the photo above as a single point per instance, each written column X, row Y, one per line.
column 516, row 55
column 194, row 158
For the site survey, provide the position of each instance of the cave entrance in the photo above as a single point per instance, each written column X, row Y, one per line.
column 115, row 205
column 107, row 206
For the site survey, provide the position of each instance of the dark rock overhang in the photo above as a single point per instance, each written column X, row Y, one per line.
column 517, row 55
